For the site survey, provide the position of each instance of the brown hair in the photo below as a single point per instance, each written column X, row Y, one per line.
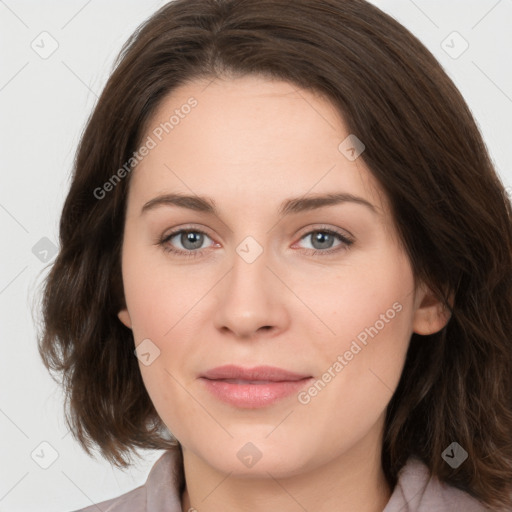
column 423, row 147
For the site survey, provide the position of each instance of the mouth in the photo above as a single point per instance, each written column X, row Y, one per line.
column 256, row 374
column 252, row 388
column 255, row 382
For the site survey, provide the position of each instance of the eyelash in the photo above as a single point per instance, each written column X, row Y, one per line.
column 346, row 242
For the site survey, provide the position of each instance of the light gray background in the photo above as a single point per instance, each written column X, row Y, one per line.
column 44, row 104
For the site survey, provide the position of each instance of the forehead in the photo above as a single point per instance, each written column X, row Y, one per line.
column 248, row 139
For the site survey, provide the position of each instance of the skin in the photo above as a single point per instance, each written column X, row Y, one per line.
column 250, row 143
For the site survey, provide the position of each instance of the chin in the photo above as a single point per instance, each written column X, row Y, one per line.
column 247, row 459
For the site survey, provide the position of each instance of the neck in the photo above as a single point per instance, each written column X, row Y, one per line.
column 350, row 482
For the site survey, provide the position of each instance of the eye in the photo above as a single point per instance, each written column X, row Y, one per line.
column 192, row 241
column 322, row 240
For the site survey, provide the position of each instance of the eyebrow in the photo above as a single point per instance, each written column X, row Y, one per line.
column 287, row 207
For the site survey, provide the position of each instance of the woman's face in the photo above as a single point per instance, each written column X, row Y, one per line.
column 281, row 277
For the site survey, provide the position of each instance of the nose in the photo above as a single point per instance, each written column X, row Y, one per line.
column 252, row 299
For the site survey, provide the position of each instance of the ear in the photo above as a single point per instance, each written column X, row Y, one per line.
column 431, row 314
column 124, row 316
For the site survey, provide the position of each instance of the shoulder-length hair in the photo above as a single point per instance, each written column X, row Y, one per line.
column 423, row 147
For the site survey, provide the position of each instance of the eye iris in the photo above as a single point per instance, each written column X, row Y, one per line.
column 196, row 239
column 323, row 238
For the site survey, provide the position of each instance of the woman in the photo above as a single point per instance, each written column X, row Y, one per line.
column 185, row 313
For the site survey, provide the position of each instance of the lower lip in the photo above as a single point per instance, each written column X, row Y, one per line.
column 252, row 396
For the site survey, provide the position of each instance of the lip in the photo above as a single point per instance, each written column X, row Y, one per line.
column 252, row 388
column 257, row 373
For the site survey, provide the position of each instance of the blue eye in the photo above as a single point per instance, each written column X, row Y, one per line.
column 192, row 240
column 324, row 238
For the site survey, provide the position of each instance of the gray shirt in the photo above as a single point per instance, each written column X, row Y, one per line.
column 415, row 491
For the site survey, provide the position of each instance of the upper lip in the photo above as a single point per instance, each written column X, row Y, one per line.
column 266, row 373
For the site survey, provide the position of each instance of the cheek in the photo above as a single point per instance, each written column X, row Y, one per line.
column 172, row 392
column 371, row 300
column 159, row 294
column 161, row 299
column 369, row 313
